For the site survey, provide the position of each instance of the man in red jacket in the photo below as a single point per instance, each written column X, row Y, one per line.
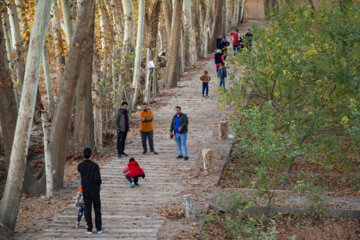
column 132, row 172
column 236, row 40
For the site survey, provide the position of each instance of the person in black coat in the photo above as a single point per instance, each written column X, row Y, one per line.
column 90, row 184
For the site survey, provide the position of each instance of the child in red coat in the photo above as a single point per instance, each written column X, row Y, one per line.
column 132, row 172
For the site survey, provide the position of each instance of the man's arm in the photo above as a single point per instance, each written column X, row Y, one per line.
column 172, row 125
column 97, row 176
column 117, row 121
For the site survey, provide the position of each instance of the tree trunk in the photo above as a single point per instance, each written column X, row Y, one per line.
column 48, row 83
column 223, row 129
column 11, row 198
column 17, row 41
column 66, row 11
column 242, row 10
column 206, row 156
column 190, row 207
column 227, row 17
column 172, row 71
column 167, row 18
column 24, row 23
column 81, row 42
column 217, row 25
column 147, row 78
column 182, row 52
column 47, row 155
column 206, row 28
column 98, row 122
column 8, row 107
column 190, row 32
column 138, row 53
column 235, row 19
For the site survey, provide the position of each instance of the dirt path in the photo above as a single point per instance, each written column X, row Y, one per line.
column 132, row 213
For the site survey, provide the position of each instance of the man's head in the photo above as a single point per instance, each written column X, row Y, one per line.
column 124, row 105
column 206, row 72
column 220, row 36
column 145, row 107
column 178, row 110
column 237, row 30
column 249, row 30
column 87, row 153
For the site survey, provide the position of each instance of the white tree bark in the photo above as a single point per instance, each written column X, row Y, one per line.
column 189, row 27
column 147, row 79
column 47, row 152
column 48, row 83
column 138, row 53
column 20, row 5
column 242, row 10
column 206, row 28
column 228, row 16
column 190, row 207
column 11, row 198
column 67, row 20
column 182, row 52
column 235, row 19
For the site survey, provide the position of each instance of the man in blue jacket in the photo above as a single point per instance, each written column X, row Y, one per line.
column 179, row 128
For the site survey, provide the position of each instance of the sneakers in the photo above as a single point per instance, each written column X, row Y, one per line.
column 88, row 232
column 180, row 156
column 155, row 153
column 125, row 154
column 186, row 158
column 132, row 185
column 102, row 230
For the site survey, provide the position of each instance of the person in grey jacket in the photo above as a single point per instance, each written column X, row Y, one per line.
column 122, row 123
column 179, row 128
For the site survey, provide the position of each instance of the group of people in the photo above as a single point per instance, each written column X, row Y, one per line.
column 239, row 43
column 88, row 195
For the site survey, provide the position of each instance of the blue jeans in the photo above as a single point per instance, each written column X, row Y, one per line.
column 236, row 49
column 181, row 142
column 205, row 88
column 222, row 82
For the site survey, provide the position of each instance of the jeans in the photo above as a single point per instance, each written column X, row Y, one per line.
column 81, row 211
column 181, row 143
column 150, row 137
column 121, row 137
column 92, row 198
column 136, row 179
column 205, row 88
column 222, row 82
column 236, row 49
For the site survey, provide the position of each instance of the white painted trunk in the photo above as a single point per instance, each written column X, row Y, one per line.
column 20, row 5
column 227, row 17
column 59, row 42
column 97, row 116
column 11, row 198
column 190, row 28
column 242, row 10
column 138, row 52
column 147, row 79
column 47, row 77
column 235, row 19
column 47, row 152
column 190, row 207
column 206, row 28
column 68, row 28
column 182, row 52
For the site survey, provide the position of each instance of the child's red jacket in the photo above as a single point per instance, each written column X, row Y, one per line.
column 133, row 169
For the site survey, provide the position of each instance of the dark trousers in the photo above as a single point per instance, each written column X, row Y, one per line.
column 205, row 88
column 150, row 137
column 136, row 179
column 92, row 198
column 121, row 141
column 81, row 211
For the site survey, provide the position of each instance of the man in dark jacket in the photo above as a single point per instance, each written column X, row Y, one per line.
column 179, row 127
column 90, row 184
column 122, row 123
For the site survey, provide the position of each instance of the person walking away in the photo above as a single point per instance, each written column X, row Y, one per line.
column 147, row 129
column 205, row 78
column 122, row 123
column 132, row 172
column 80, row 205
column 222, row 75
column 235, row 40
column 179, row 128
column 224, row 49
column 219, row 43
column 90, row 184
column 218, row 59
column 248, row 39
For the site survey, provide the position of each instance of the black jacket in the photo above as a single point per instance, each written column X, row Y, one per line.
column 90, row 175
column 183, row 123
column 219, row 43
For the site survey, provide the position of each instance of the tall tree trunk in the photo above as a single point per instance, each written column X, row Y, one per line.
column 17, row 41
column 197, row 22
column 138, row 53
column 8, row 107
column 172, row 71
column 47, row 153
column 242, row 10
column 217, row 25
column 11, row 198
column 59, row 49
column 167, row 18
column 228, row 16
column 190, row 32
column 20, row 6
column 236, row 12
column 97, row 108
column 66, row 10
column 80, row 44
column 147, row 78
column 206, row 28
column 48, row 83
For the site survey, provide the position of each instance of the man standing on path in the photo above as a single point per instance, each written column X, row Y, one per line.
column 122, row 123
column 147, row 129
column 236, row 40
column 90, row 184
column 179, row 127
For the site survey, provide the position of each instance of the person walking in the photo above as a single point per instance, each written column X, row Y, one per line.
column 218, row 59
column 222, row 75
column 122, row 123
column 248, row 39
column 179, row 128
column 205, row 78
column 219, row 43
column 147, row 129
column 235, row 42
column 90, row 184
